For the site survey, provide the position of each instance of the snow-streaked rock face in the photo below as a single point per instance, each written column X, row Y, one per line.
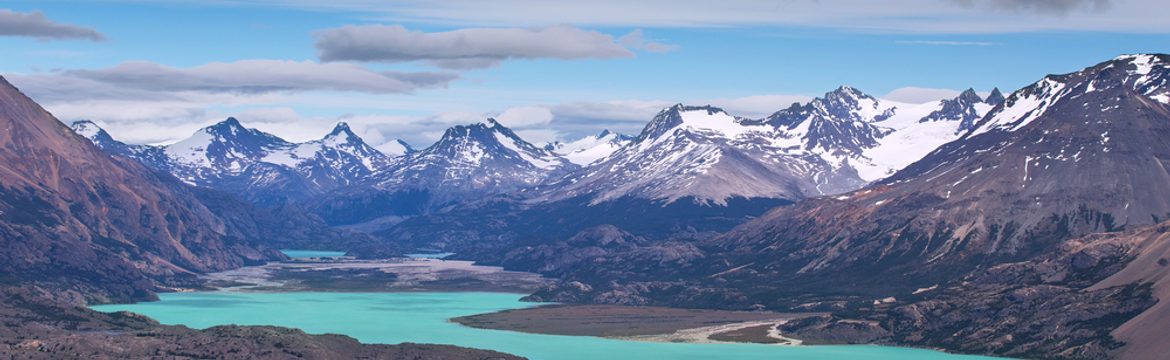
column 874, row 137
column 482, row 158
column 589, row 149
column 1069, row 155
column 255, row 165
column 700, row 152
column 832, row 144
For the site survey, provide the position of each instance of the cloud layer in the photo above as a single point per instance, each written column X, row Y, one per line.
column 905, row 16
column 259, row 76
column 463, row 48
column 36, row 25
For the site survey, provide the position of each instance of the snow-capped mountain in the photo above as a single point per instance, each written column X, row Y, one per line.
column 1070, row 155
column 875, row 137
column 482, row 158
column 586, row 150
column 702, row 152
column 253, row 164
column 153, row 156
column 832, row 144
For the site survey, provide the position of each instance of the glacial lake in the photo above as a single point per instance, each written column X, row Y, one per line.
column 393, row 318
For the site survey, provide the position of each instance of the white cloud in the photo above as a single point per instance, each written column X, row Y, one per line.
column 525, row 116
column 919, row 95
column 463, row 48
column 259, row 76
column 538, row 137
column 637, row 40
column 36, row 25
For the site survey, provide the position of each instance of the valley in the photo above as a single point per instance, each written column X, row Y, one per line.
column 433, row 312
column 844, row 226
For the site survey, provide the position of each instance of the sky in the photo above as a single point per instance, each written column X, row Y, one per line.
column 153, row 71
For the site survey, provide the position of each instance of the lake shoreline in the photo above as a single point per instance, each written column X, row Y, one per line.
column 636, row 323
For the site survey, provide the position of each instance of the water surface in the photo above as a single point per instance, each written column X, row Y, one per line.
column 422, row 317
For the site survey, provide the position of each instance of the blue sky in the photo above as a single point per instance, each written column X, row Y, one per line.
column 749, row 59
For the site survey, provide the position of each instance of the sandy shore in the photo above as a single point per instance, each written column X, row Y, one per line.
column 711, row 334
column 640, row 323
column 376, row 275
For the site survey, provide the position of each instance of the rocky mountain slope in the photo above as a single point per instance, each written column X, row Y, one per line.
column 984, row 232
column 73, row 216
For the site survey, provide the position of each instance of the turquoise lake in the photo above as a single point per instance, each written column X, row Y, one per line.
column 393, row 318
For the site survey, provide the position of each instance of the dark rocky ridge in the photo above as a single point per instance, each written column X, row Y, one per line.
column 75, row 216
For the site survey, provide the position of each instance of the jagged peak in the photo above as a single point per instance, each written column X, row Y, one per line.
column 846, row 92
column 482, row 131
column 231, row 121
column 680, row 107
column 970, row 96
column 90, row 130
column 995, row 98
column 342, row 130
column 671, row 117
column 405, row 145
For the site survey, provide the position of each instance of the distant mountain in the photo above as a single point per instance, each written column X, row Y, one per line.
column 469, row 162
column 586, row 150
column 832, row 144
column 701, row 152
column 253, row 164
column 874, row 137
column 998, row 221
column 482, row 158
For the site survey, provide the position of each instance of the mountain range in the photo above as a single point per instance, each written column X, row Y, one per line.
column 944, row 224
column 835, row 143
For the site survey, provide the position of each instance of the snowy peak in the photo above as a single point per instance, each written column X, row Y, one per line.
column 341, row 130
column 705, row 117
column 589, row 149
column 849, row 104
column 90, row 130
column 703, row 121
column 842, row 121
column 471, row 144
column 227, row 144
column 473, row 160
column 1144, row 76
column 253, row 164
column 966, row 109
